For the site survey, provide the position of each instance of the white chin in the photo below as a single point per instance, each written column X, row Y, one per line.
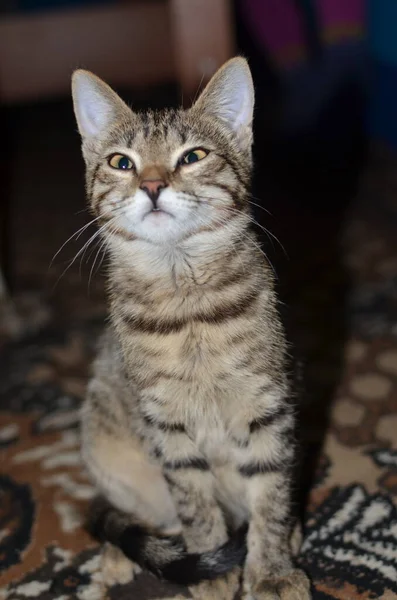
column 157, row 218
column 159, row 227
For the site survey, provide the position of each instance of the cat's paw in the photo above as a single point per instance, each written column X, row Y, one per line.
column 223, row 588
column 294, row 586
column 116, row 568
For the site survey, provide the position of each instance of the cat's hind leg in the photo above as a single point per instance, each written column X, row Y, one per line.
column 269, row 570
column 116, row 459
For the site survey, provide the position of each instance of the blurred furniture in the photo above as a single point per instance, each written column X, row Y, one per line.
column 129, row 43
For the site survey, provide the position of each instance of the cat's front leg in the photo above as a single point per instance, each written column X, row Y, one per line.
column 192, row 486
column 269, row 572
column 266, row 466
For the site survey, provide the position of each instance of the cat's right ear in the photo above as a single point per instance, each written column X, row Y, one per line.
column 229, row 96
column 96, row 105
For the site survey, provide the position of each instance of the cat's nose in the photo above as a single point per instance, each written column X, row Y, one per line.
column 153, row 188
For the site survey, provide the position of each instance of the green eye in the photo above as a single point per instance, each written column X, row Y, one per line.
column 193, row 156
column 120, row 161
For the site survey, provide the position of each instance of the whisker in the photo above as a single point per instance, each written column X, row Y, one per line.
column 94, row 245
column 213, row 227
column 114, row 210
column 257, row 245
column 85, row 209
column 104, row 243
column 266, row 231
column 259, row 205
column 228, row 227
column 198, row 90
column 77, row 233
column 242, row 234
column 103, row 256
column 88, row 243
column 84, row 250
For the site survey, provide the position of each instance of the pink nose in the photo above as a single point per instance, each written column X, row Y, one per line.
column 153, row 188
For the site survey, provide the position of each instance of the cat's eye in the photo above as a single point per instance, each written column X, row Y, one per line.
column 193, row 156
column 120, row 161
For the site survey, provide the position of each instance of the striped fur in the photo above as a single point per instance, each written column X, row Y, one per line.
column 188, row 425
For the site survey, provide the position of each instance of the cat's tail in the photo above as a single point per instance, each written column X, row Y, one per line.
column 164, row 556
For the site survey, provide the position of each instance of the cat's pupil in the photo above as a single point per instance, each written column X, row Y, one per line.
column 192, row 157
column 124, row 163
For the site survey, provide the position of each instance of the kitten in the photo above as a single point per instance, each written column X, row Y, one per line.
column 187, row 428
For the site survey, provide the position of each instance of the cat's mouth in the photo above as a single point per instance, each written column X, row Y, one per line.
column 157, row 213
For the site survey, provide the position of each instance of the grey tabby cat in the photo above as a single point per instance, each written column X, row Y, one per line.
column 187, row 429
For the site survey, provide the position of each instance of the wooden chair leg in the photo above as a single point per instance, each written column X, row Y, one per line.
column 203, row 41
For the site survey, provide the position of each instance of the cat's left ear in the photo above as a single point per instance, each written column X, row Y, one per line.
column 97, row 107
column 229, row 96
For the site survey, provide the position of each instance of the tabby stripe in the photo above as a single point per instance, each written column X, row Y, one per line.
column 206, row 229
column 101, row 407
column 268, row 418
column 155, row 376
column 93, row 178
column 151, row 326
column 289, row 434
column 220, row 315
column 235, row 171
column 182, row 134
column 224, row 188
column 231, row 311
column 152, row 421
column 165, row 129
column 278, row 523
column 130, row 136
column 105, row 219
column 104, row 178
column 101, row 197
column 261, row 468
column 200, row 464
column 214, row 171
column 158, row 453
column 129, row 237
column 237, row 201
column 230, row 279
column 240, row 442
column 187, row 521
column 145, row 125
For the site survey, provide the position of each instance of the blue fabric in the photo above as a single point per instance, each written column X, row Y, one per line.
column 382, row 29
column 382, row 111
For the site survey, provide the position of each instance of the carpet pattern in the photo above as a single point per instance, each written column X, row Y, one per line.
column 350, row 543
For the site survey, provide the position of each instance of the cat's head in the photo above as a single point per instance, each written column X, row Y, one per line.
column 163, row 176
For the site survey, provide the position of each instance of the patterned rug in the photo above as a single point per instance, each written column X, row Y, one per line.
column 350, row 544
